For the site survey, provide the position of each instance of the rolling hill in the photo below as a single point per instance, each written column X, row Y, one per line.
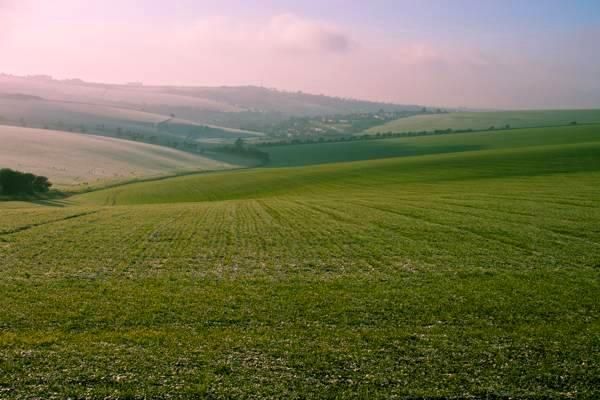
column 486, row 120
column 228, row 107
column 76, row 161
column 357, row 176
column 319, row 153
column 109, row 120
column 459, row 275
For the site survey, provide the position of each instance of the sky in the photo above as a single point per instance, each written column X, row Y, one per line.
column 504, row 54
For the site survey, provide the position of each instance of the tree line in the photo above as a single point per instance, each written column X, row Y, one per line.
column 16, row 182
column 376, row 136
column 240, row 148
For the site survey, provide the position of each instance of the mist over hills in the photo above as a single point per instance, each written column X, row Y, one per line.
column 231, row 106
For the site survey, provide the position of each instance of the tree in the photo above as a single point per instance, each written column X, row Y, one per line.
column 16, row 182
column 41, row 184
column 239, row 144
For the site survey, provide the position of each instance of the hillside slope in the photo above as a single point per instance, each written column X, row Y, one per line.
column 528, row 153
column 74, row 160
column 231, row 107
column 485, row 120
column 108, row 120
column 320, row 153
column 463, row 275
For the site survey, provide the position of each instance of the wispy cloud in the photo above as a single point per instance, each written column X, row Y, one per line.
column 290, row 51
column 284, row 32
column 292, row 32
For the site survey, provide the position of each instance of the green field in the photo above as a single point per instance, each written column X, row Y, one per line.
column 319, row 153
column 76, row 161
column 485, row 120
column 465, row 274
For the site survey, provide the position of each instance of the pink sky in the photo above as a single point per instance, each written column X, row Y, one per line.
column 287, row 50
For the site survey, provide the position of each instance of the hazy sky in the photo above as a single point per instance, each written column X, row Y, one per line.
column 479, row 53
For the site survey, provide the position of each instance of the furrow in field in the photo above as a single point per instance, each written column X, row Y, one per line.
column 355, row 239
column 330, row 226
column 530, row 235
column 20, row 228
column 260, row 229
column 157, row 240
column 290, row 232
column 540, row 199
column 304, row 242
column 519, row 207
column 558, row 225
column 519, row 219
column 448, row 226
column 67, row 237
column 213, row 248
column 191, row 236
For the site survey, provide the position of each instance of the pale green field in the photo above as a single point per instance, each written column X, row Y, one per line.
column 75, row 161
column 485, row 120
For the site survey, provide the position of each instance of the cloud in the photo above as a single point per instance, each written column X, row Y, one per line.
column 285, row 32
column 291, row 32
column 292, row 52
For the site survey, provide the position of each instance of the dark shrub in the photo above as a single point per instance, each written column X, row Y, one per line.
column 16, row 182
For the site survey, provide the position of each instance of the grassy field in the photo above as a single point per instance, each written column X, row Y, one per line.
column 318, row 153
column 75, row 161
column 473, row 274
column 485, row 120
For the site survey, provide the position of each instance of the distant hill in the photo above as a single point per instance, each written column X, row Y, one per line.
column 486, row 120
column 26, row 110
column 232, row 107
column 322, row 153
column 260, row 99
column 76, row 161
column 19, row 96
column 482, row 158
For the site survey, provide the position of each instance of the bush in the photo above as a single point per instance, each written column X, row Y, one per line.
column 16, row 182
column 240, row 148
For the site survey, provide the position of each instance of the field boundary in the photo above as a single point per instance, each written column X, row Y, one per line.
column 408, row 134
